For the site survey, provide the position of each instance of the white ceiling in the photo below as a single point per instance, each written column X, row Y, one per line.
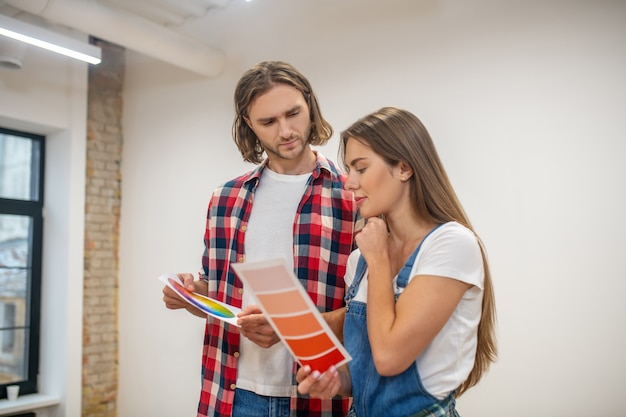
column 170, row 13
column 186, row 33
column 151, row 27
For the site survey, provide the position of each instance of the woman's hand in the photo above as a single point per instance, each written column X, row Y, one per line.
column 372, row 239
column 318, row 385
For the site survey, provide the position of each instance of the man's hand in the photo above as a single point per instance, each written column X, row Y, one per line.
column 256, row 328
column 173, row 301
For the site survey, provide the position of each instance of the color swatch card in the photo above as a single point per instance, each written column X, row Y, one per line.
column 214, row 308
column 292, row 314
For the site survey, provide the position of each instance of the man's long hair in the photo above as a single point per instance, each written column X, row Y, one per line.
column 257, row 81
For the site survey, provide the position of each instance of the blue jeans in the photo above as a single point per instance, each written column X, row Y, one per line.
column 250, row 404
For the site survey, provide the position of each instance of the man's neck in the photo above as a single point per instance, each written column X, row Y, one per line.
column 302, row 165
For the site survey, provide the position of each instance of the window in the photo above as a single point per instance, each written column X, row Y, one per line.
column 21, row 225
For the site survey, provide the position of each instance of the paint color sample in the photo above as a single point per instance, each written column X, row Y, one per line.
column 311, row 345
column 259, row 283
column 283, row 303
column 322, row 362
column 292, row 314
column 296, row 325
column 208, row 305
column 202, row 302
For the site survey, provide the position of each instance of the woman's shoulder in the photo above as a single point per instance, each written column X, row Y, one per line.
column 453, row 251
column 456, row 232
column 454, row 238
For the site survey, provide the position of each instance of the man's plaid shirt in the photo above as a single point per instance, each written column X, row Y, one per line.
column 323, row 238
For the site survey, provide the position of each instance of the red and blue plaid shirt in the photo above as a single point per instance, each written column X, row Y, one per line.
column 323, row 238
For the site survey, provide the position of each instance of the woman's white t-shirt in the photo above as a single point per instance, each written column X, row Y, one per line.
column 451, row 251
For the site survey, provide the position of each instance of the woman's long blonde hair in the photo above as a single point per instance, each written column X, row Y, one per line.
column 399, row 136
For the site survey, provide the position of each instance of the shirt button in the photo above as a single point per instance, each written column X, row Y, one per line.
column 240, row 290
column 233, row 386
column 244, row 228
column 236, row 354
column 241, row 258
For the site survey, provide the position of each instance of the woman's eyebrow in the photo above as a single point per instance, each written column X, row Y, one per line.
column 356, row 161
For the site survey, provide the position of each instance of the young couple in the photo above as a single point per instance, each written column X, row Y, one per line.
column 410, row 294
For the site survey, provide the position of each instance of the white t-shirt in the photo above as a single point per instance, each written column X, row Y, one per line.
column 269, row 236
column 450, row 251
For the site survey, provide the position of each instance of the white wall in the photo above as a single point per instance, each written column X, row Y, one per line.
column 526, row 103
column 48, row 96
column 525, row 100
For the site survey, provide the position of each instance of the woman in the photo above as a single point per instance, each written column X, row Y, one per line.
column 420, row 272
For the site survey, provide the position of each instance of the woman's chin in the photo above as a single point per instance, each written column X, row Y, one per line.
column 366, row 214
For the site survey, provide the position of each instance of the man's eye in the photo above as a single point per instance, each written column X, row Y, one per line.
column 268, row 123
column 295, row 113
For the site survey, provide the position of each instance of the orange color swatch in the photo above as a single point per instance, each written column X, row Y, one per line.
column 292, row 314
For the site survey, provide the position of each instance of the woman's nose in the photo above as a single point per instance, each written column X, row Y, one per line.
column 350, row 184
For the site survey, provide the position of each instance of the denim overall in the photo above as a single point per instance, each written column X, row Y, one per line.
column 374, row 395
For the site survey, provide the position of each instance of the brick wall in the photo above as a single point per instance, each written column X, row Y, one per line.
column 102, row 215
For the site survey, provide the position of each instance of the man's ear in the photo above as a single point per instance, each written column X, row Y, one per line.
column 247, row 121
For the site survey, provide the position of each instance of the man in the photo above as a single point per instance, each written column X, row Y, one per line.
column 292, row 206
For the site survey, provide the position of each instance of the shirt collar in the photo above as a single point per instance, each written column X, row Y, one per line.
column 321, row 165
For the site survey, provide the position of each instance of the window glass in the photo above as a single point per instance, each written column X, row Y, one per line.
column 19, row 159
column 14, row 271
column 21, row 237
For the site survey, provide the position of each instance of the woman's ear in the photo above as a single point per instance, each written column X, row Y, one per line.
column 404, row 171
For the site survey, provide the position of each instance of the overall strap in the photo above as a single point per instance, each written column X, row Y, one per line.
column 405, row 272
column 403, row 275
column 361, row 267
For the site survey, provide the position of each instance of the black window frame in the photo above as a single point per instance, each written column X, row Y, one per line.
column 34, row 209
